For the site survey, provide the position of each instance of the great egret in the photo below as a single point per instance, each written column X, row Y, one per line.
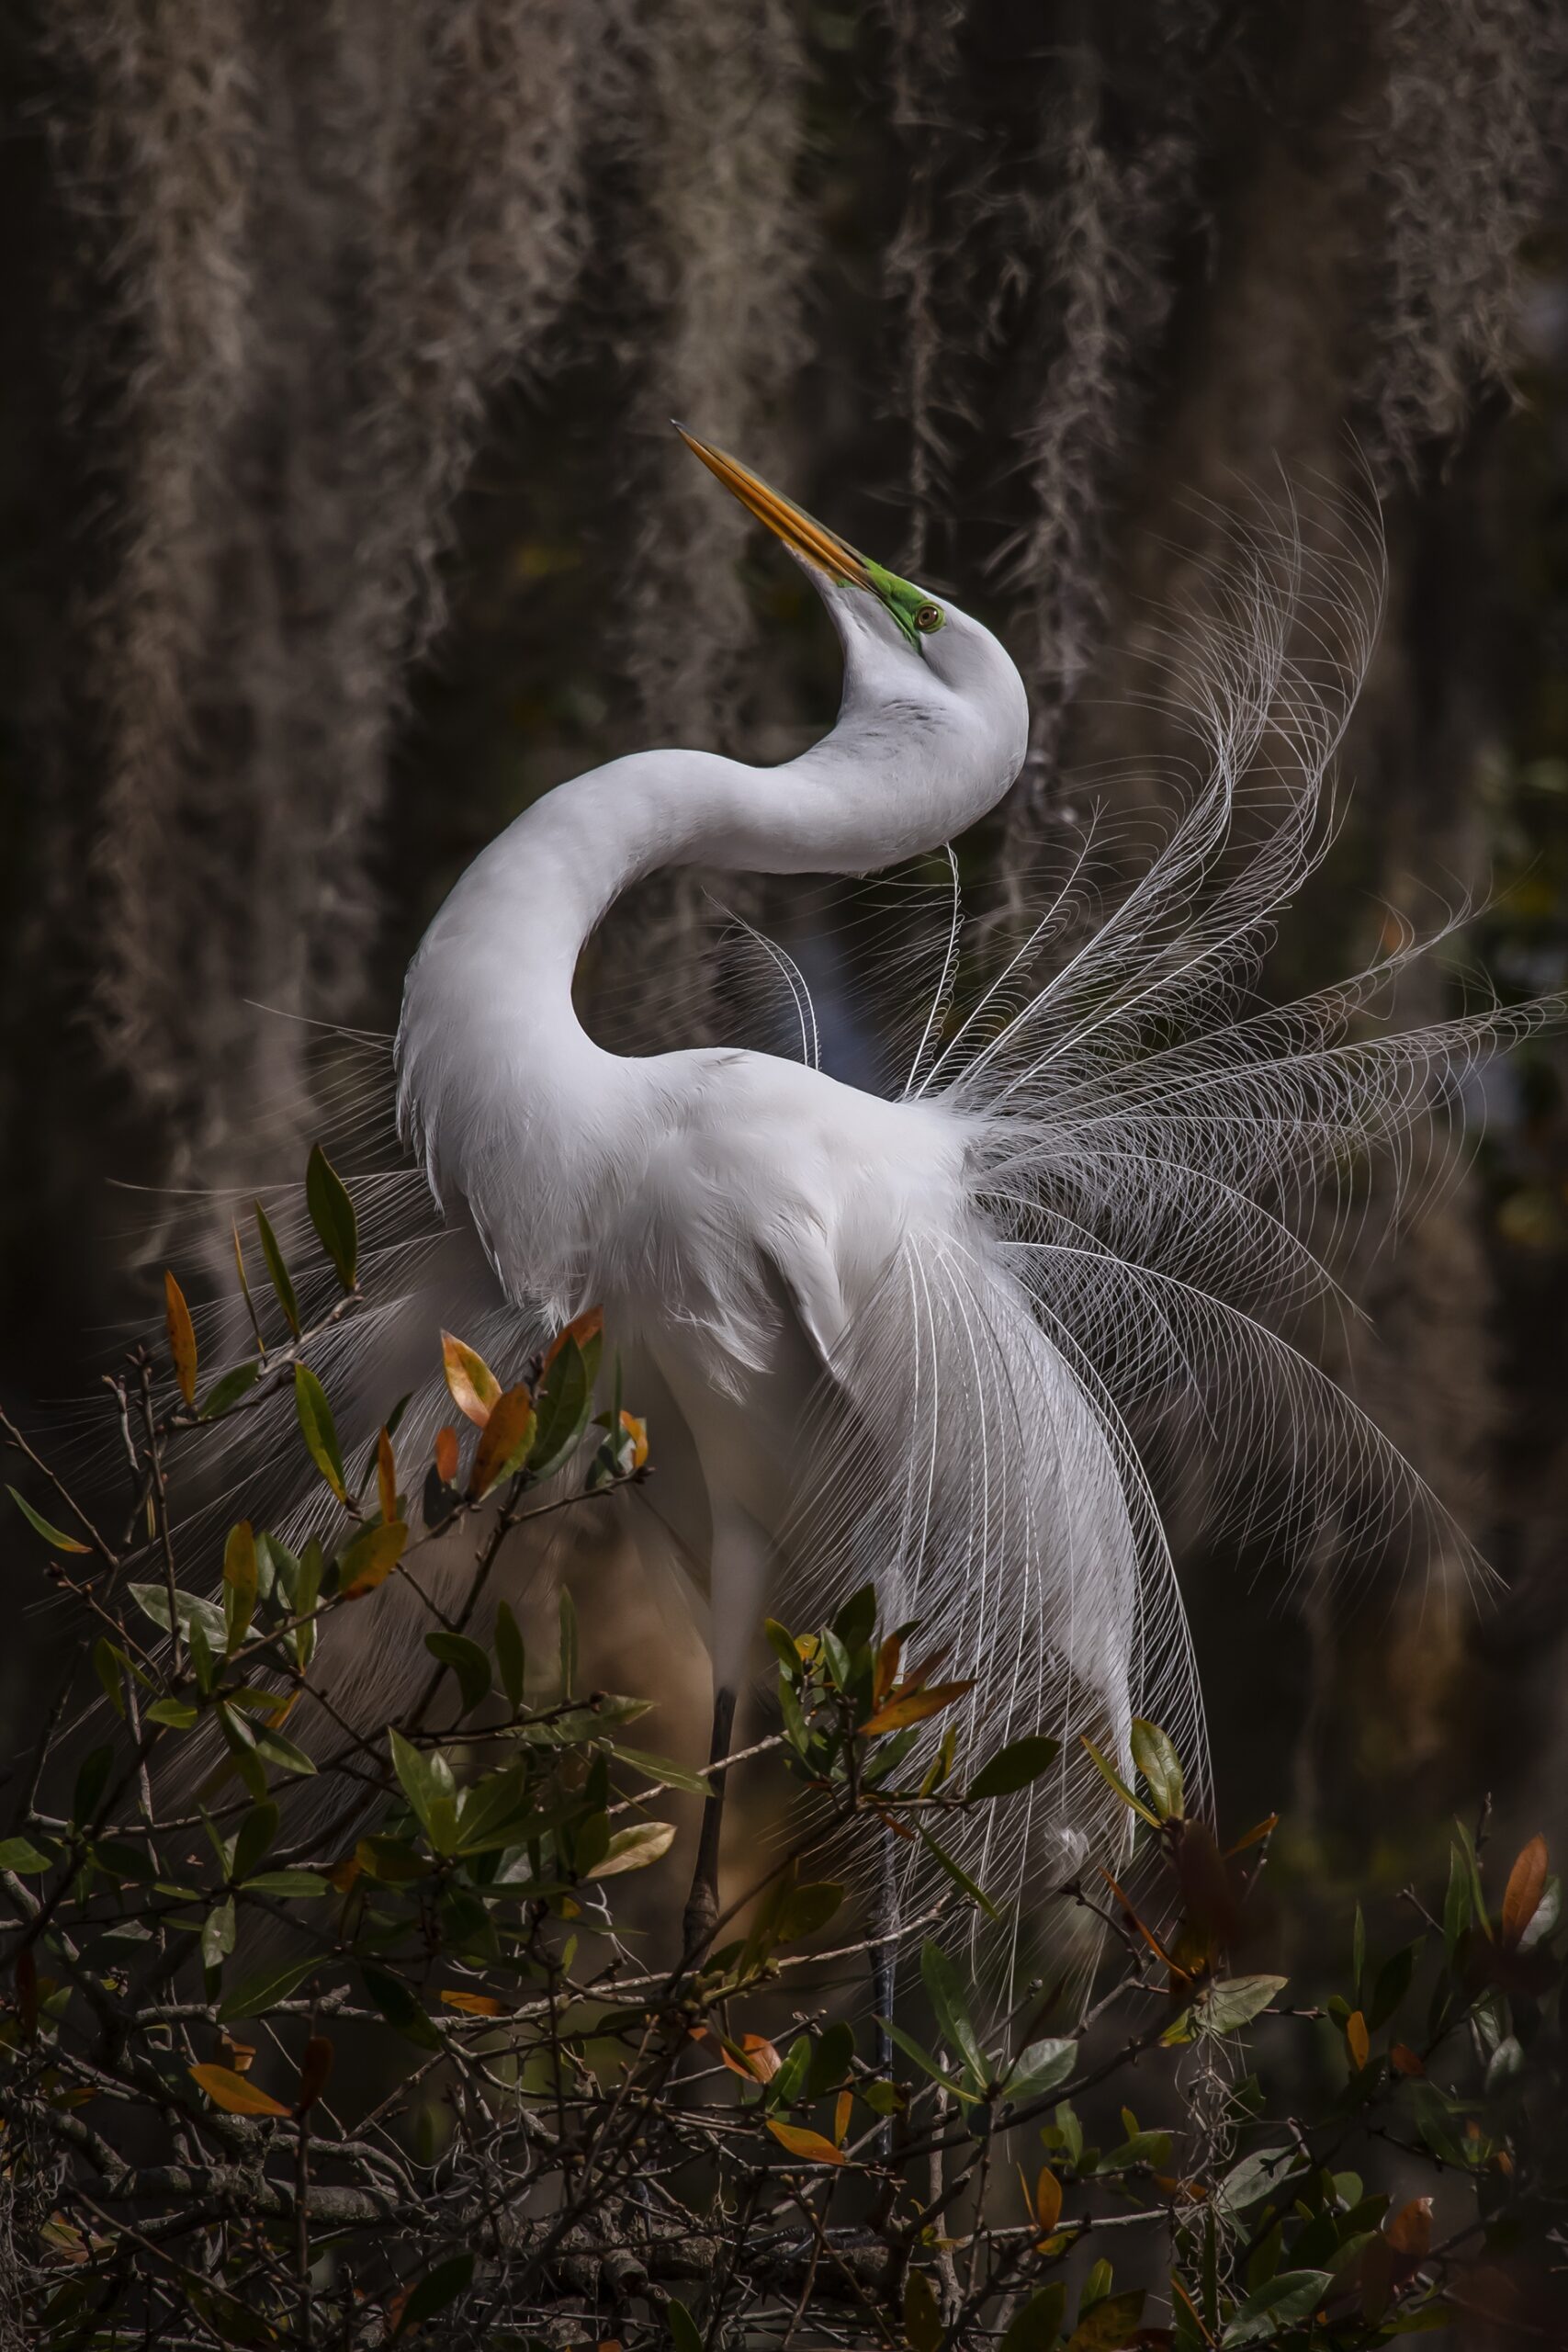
column 905, row 1334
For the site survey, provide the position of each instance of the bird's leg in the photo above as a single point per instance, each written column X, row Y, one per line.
column 883, row 1973
column 702, row 1904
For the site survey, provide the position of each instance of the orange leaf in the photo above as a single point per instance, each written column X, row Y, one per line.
column 755, row 2060
column 809, row 2146
column 583, row 1327
column 638, row 1431
column 233, row 2093
column 1047, row 2201
column 386, row 1475
column 473, row 2004
column 886, row 1668
column 1404, row 2060
column 1410, row 2230
column 1527, row 1882
column 1260, row 1830
column 446, row 1455
column 239, row 2056
column 474, row 1388
column 844, row 2107
column 508, row 1434
column 181, row 1337
column 371, row 1557
column 343, row 1874
column 1357, row 2037
column 314, row 2068
column 914, row 1706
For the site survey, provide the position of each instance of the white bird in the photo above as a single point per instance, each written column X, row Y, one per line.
column 906, row 1336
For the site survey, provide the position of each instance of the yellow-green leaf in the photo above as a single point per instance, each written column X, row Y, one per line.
column 332, row 1214
column 475, row 1389
column 631, row 1849
column 319, row 1430
column 275, row 1267
column 239, row 1585
column 54, row 1536
column 370, row 1559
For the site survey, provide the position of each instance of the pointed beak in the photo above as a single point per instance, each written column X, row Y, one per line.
column 799, row 532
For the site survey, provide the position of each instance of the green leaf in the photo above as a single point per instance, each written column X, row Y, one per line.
column 661, row 1769
column 106, row 1664
column 253, row 1838
column 240, row 1577
column 54, row 1536
column 436, row 2289
column 1036, row 2324
column 21, row 1854
column 922, row 2315
column 634, row 1849
column 1236, row 2001
column 1040, row 2068
column 308, row 1577
column 276, row 1269
column 1014, row 1766
column 923, row 2060
column 830, row 2059
column 1154, row 1755
column 1256, row 2177
column 959, row 1877
column 685, row 2332
column 92, row 1782
column 428, row 1784
column 803, row 1909
column 175, row 1714
column 226, row 1393
column 1109, row 1773
column 856, row 1621
column 319, row 1430
column 281, row 1752
column 265, row 1987
column 1457, row 1909
column 944, row 1990
column 1394, row 1980
column 1293, row 2295
column 563, row 1406
column 217, row 1934
column 1108, row 2323
column 467, row 1662
column 332, row 1214
column 509, row 1652
column 402, row 2012
column 153, row 1599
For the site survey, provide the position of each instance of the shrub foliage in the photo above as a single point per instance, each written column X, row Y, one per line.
column 425, row 2062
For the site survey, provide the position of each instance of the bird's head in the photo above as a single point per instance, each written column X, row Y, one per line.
column 880, row 616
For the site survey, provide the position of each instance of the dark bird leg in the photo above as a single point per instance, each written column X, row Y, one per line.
column 702, row 1904
column 884, row 1973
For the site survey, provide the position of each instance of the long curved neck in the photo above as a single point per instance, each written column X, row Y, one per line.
column 893, row 777
column 489, row 1037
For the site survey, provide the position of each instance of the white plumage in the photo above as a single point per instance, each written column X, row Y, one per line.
column 917, row 1338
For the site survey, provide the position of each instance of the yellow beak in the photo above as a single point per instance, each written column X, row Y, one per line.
column 796, row 530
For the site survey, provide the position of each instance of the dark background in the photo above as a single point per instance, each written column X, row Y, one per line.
column 341, row 515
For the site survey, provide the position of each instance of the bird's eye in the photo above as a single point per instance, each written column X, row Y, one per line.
column 928, row 617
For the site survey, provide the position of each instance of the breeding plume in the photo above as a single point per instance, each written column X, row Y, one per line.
column 914, row 1336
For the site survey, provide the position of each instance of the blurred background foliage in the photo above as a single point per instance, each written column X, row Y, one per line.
column 342, row 517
